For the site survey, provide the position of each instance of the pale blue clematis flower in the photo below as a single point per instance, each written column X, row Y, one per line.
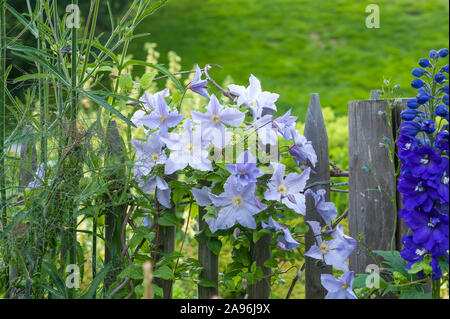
column 287, row 189
column 333, row 252
column 149, row 103
column 214, row 120
column 302, row 150
column 187, row 148
column 162, row 117
column 338, row 288
column 327, row 210
column 237, row 205
column 37, row 180
column 264, row 129
column 284, row 124
column 253, row 96
column 245, row 169
column 148, row 154
column 286, row 242
column 198, row 85
column 158, row 185
column 202, row 198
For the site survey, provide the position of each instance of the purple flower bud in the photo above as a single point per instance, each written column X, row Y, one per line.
column 409, row 115
column 425, row 63
column 445, row 99
column 412, row 103
column 410, row 128
column 440, row 78
column 417, row 83
column 444, row 69
column 442, row 110
column 418, row 72
column 244, row 283
column 442, row 141
column 428, row 126
column 443, row 52
column 236, row 232
column 434, row 55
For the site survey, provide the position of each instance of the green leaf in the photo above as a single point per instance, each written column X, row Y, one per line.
column 214, row 244
column 168, row 218
column 132, row 271
column 157, row 291
column 55, row 277
column 28, row 25
column 394, row 260
column 206, row 283
column 105, row 105
column 164, row 272
column 414, row 294
column 96, row 282
column 271, row 263
column 146, row 80
column 301, row 228
column 33, row 76
column 159, row 68
column 257, row 234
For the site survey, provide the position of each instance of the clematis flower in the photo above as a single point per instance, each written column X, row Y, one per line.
column 198, row 85
column 245, row 169
column 253, row 96
column 338, row 288
column 327, row 210
column 333, row 252
column 302, row 149
column 158, row 185
column 237, row 205
column 264, row 129
column 187, row 148
column 149, row 103
column 162, row 117
column 285, row 124
column 37, row 180
column 215, row 118
column 286, row 242
column 287, row 189
column 148, row 154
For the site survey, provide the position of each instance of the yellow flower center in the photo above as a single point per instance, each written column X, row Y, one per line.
column 189, row 147
column 252, row 103
column 155, row 157
column 237, row 201
column 215, row 119
column 282, row 189
column 345, row 286
column 324, row 248
column 163, row 118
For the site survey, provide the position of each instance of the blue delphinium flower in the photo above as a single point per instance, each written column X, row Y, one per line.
column 245, row 169
column 423, row 152
column 338, row 288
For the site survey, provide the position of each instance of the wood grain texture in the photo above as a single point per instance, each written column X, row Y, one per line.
column 260, row 252
column 315, row 131
column 209, row 260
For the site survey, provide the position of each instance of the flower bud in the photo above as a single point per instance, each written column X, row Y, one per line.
column 409, row 115
column 422, row 99
column 366, row 168
column 442, row 110
column 417, row 83
column 244, row 283
column 381, row 113
column 412, row 103
column 440, row 78
column 443, row 52
column 428, row 126
column 396, row 87
column 425, row 63
column 444, row 69
column 418, row 72
column 434, row 55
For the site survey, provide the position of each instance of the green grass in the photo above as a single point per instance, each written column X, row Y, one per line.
column 298, row 47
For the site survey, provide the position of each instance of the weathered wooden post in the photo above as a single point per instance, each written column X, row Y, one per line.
column 260, row 252
column 372, row 209
column 316, row 132
column 166, row 245
column 209, row 260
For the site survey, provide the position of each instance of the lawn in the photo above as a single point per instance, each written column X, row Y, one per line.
column 297, row 47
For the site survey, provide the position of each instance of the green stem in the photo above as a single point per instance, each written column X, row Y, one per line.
column 2, row 114
column 436, row 289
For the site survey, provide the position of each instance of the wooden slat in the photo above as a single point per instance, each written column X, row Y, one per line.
column 315, row 131
column 209, row 260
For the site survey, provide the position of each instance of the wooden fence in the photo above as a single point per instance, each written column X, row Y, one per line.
column 371, row 214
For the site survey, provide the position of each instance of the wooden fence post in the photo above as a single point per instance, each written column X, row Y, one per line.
column 371, row 212
column 209, row 260
column 260, row 252
column 316, row 132
column 166, row 245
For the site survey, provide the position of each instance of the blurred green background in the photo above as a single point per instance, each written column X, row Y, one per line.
column 298, row 47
